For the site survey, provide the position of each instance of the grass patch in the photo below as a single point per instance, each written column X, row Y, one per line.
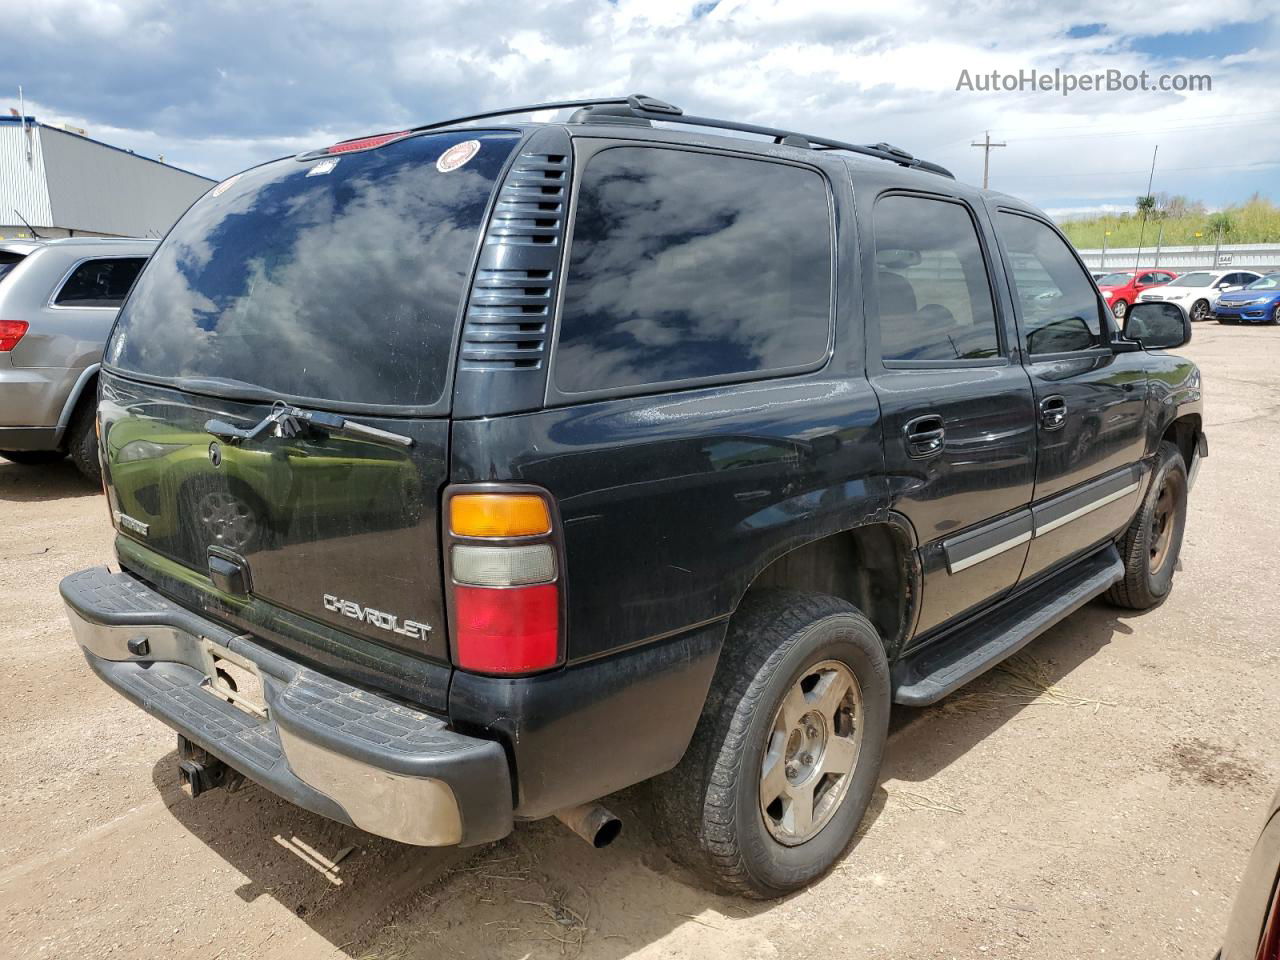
column 1255, row 221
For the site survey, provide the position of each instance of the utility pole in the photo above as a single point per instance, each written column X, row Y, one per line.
column 986, row 146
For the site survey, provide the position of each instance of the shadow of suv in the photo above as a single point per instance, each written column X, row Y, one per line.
column 474, row 472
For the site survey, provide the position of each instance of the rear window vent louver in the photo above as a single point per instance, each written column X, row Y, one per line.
column 510, row 306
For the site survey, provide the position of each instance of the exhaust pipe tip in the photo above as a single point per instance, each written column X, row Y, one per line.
column 592, row 822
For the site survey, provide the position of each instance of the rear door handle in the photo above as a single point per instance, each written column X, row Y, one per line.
column 925, row 435
column 1053, row 412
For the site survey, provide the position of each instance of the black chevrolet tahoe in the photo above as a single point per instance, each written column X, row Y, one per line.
column 469, row 474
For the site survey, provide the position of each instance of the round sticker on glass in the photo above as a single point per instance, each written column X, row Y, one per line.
column 457, row 155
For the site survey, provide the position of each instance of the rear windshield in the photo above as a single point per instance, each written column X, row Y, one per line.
column 336, row 279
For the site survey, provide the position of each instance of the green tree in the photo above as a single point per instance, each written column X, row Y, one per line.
column 1145, row 205
column 1221, row 222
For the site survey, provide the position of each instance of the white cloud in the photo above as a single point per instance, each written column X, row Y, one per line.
column 219, row 86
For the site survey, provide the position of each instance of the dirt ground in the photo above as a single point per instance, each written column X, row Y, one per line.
column 1098, row 797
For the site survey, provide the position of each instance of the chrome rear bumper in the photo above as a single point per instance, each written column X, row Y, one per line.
column 337, row 750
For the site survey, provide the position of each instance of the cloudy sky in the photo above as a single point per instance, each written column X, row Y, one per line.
column 217, row 85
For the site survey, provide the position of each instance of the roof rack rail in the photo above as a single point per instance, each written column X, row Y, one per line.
column 651, row 108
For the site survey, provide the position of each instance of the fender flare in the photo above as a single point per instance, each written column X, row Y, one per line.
column 73, row 400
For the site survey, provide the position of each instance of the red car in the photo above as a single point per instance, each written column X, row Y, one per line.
column 1121, row 287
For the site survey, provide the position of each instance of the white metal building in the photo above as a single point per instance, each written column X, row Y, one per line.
column 66, row 184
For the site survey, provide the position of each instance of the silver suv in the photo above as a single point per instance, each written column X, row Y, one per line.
column 58, row 300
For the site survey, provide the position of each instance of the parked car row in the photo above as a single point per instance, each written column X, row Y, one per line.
column 1229, row 296
column 1197, row 292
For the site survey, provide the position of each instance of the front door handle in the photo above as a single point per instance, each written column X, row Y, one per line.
column 1053, row 412
column 925, row 436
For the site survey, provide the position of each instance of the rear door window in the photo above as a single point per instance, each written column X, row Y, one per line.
column 336, row 279
column 103, row 282
column 1060, row 308
column 690, row 266
column 933, row 294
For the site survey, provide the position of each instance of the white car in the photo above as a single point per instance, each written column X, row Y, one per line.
column 1199, row 290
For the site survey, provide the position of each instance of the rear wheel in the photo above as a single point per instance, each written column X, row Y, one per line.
column 787, row 754
column 1119, row 308
column 1151, row 545
column 32, row 458
column 1200, row 310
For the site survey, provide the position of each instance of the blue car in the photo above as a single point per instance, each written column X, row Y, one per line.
column 1259, row 302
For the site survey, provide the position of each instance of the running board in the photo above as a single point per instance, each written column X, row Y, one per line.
column 939, row 669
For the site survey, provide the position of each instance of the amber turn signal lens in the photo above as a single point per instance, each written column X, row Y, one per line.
column 498, row 515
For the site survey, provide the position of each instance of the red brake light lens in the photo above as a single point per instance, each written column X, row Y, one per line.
column 11, row 331
column 507, row 630
column 365, row 143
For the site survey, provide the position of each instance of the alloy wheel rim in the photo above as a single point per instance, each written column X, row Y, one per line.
column 1163, row 521
column 811, row 753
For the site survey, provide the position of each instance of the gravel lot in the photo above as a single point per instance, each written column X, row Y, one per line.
column 1109, row 814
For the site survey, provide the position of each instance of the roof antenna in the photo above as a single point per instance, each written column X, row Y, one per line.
column 29, row 226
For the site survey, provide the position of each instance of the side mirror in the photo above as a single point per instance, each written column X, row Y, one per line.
column 1158, row 326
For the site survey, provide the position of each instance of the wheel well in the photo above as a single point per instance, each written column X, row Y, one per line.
column 88, row 394
column 1182, row 433
column 871, row 567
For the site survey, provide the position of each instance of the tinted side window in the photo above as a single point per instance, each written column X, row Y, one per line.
column 691, row 265
column 931, row 282
column 8, row 261
column 99, row 283
column 1060, row 307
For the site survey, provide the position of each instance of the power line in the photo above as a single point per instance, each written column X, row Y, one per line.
column 986, row 146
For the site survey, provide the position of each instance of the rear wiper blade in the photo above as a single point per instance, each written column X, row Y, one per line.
column 289, row 421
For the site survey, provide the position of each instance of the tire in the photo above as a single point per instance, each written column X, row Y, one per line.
column 82, row 440
column 32, row 458
column 1119, row 309
column 1199, row 310
column 710, row 806
column 1275, row 315
column 1150, row 547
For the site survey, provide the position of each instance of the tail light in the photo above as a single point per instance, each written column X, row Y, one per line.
column 11, row 331
column 504, row 575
